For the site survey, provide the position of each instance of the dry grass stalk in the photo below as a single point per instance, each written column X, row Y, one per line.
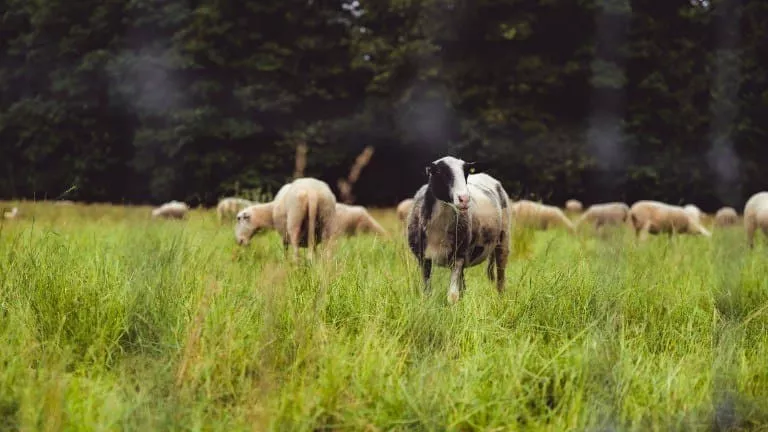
column 301, row 160
column 345, row 185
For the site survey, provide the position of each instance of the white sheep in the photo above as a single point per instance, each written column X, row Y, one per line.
column 653, row 217
column 352, row 220
column 459, row 221
column 230, row 206
column 599, row 215
column 756, row 216
column 171, row 210
column 403, row 208
column 726, row 216
column 573, row 206
column 302, row 213
column 695, row 212
column 539, row 216
column 11, row 214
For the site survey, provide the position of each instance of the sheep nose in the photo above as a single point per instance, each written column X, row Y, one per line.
column 463, row 200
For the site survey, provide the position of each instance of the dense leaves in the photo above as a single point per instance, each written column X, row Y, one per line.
column 148, row 100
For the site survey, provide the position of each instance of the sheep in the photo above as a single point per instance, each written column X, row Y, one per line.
column 13, row 213
column 230, row 206
column 573, row 206
column 756, row 216
column 726, row 216
column 656, row 217
column 599, row 215
column 695, row 212
column 302, row 213
column 351, row 220
column 459, row 221
column 171, row 210
column 403, row 208
column 539, row 216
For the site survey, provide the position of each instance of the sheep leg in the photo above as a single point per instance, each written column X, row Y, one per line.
column 501, row 255
column 457, row 281
column 490, row 270
column 286, row 244
column 751, row 235
column 312, row 239
column 294, row 231
column 643, row 232
column 426, row 272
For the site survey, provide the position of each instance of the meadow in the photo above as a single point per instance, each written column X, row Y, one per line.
column 112, row 321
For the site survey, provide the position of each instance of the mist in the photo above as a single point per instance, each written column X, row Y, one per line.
column 726, row 81
column 426, row 118
column 605, row 133
column 143, row 80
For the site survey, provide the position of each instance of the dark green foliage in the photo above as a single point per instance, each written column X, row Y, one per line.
column 149, row 100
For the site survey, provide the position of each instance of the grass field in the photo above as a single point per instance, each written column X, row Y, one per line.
column 112, row 321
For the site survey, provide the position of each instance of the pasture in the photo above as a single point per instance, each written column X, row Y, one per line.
column 112, row 321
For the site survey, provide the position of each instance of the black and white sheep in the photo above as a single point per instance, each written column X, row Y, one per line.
column 458, row 221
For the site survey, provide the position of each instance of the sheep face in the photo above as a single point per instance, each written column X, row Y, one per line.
column 448, row 181
column 247, row 226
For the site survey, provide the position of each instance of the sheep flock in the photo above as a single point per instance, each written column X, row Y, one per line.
column 457, row 219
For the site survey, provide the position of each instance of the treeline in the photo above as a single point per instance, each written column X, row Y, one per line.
column 149, row 100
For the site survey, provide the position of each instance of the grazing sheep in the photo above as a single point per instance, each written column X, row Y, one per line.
column 171, row 210
column 725, row 217
column 404, row 208
column 573, row 206
column 656, row 217
column 229, row 207
column 756, row 216
column 352, row 220
column 11, row 214
column 599, row 215
column 695, row 212
column 459, row 221
column 302, row 212
column 539, row 216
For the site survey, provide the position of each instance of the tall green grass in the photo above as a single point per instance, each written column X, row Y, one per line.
column 112, row 321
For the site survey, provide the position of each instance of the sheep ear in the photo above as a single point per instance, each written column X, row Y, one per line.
column 474, row 167
column 469, row 167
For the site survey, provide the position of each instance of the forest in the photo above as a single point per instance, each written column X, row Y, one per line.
column 141, row 101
